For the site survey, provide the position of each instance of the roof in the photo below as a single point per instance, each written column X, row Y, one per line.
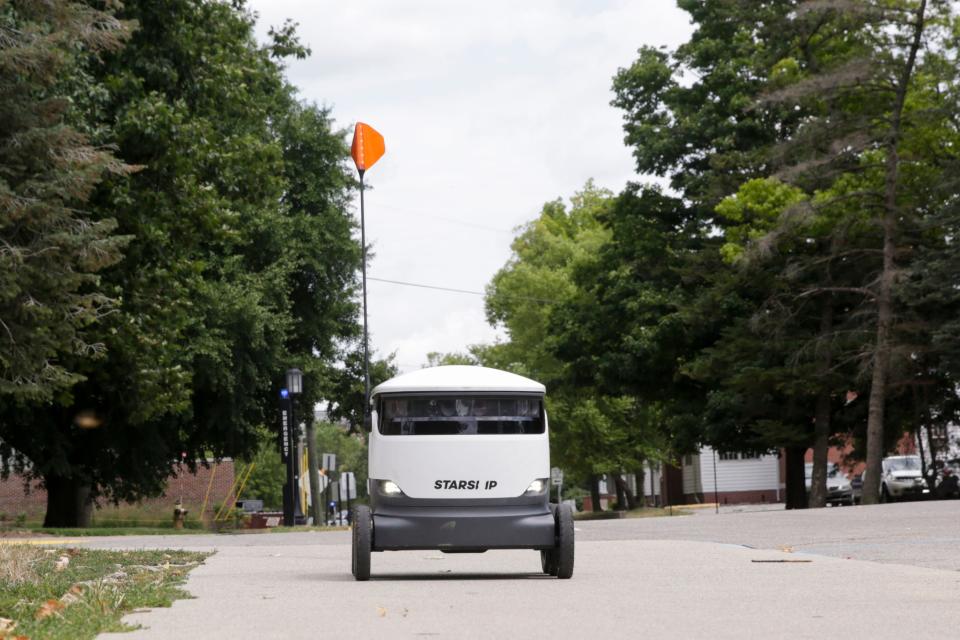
column 459, row 378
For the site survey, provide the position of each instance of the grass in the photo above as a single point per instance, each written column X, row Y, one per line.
column 114, row 531
column 78, row 593
column 31, row 529
column 14, row 533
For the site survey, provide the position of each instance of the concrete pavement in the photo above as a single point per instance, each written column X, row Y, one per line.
column 664, row 577
column 925, row 534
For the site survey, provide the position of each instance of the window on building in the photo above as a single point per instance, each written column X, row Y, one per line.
column 739, row 455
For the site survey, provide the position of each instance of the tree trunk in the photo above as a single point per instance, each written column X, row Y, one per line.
column 881, row 364
column 640, row 498
column 796, row 490
column 918, row 434
column 595, row 493
column 316, row 500
column 821, row 427
column 625, row 497
column 930, row 473
column 881, row 357
column 922, row 422
column 821, row 445
column 68, row 503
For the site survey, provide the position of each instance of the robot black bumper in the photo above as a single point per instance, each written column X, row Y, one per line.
column 463, row 528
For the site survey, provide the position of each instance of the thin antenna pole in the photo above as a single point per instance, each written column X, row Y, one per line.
column 366, row 354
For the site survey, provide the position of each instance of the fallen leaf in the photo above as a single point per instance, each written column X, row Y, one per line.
column 72, row 596
column 786, row 549
column 61, row 563
column 6, row 626
column 381, row 612
column 48, row 608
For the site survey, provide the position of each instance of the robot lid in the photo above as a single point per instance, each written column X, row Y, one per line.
column 459, row 378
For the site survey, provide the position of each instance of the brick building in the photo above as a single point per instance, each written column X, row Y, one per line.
column 212, row 483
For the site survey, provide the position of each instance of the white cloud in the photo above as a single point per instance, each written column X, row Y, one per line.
column 488, row 110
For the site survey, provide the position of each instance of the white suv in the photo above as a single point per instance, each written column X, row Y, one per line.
column 902, row 476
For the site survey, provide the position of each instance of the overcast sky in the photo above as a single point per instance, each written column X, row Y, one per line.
column 488, row 109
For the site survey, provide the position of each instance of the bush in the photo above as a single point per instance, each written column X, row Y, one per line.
column 576, row 494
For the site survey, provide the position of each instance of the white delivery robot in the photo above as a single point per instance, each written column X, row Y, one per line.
column 459, row 462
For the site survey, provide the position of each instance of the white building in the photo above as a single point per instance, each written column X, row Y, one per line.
column 740, row 478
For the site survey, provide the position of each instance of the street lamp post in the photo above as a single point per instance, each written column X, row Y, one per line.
column 288, row 447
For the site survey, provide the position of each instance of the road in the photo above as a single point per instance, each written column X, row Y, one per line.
column 888, row 571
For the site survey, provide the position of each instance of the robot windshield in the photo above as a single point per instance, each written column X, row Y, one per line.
column 449, row 415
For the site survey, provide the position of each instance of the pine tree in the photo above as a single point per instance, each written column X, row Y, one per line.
column 51, row 246
column 863, row 151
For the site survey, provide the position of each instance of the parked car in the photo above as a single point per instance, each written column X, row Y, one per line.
column 839, row 489
column 902, row 477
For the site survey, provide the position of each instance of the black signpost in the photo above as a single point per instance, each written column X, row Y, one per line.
column 289, row 434
column 286, row 454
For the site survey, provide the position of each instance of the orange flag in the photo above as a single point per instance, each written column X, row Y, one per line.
column 367, row 146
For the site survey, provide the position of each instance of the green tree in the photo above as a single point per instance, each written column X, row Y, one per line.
column 522, row 294
column 626, row 330
column 268, row 476
column 659, row 291
column 239, row 265
column 323, row 282
column 778, row 372
column 350, row 449
column 592, row 432
column 51, row 247
column 344, row 389
column 876, row 106
column 437, row 359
